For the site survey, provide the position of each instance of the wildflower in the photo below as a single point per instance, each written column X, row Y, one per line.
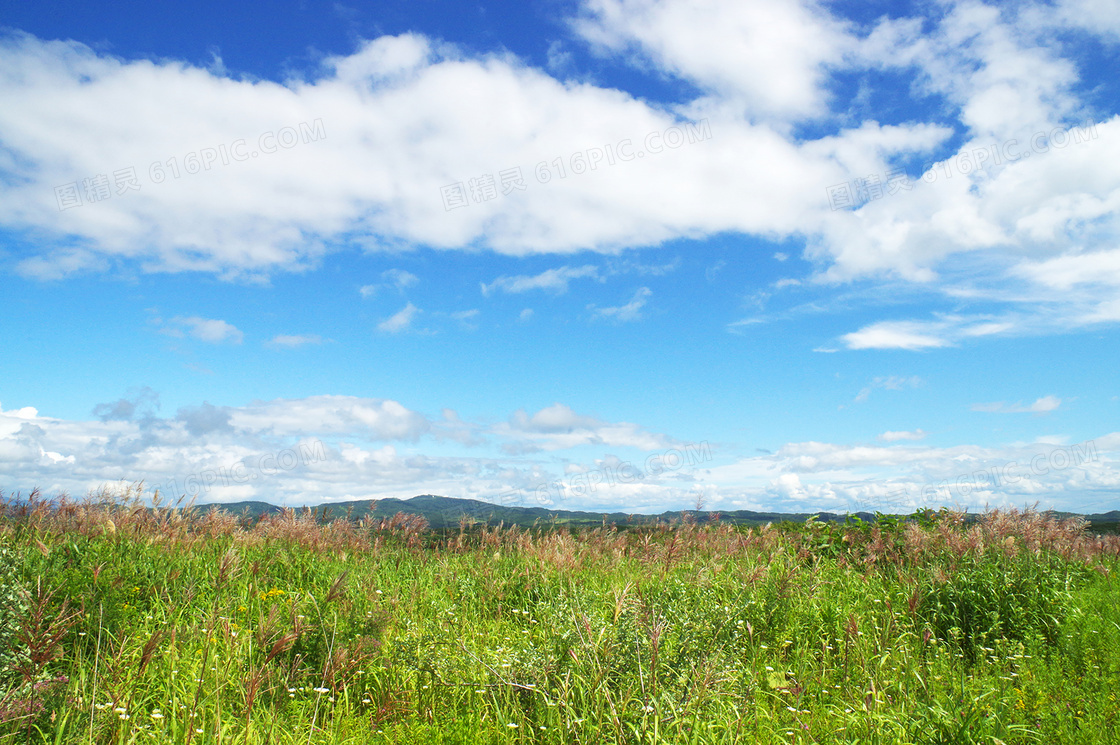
column 156, row 714
column 511, row 725
column 322, row 690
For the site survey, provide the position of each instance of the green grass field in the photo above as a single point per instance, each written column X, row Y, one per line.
column 121, row 624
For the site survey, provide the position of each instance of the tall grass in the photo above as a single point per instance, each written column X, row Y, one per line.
column 173, row 624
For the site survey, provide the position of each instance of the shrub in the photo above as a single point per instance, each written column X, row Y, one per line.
column 985, row 598
column 13, row 605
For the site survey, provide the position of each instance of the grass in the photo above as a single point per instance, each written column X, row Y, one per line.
column 130, row 625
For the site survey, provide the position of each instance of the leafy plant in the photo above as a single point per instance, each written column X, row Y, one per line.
column 13, row 605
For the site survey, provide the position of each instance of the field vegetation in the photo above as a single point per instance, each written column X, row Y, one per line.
column 120, row 623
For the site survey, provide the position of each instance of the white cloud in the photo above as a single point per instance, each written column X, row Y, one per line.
column 399, row 321
column 902, row 436
column 814, row 475
column 632, row 311
column 281, row 210
column 994, row 74
column 894, row 335
column 1097, row 17
column 1010, row 88
column 294, row 340
column 890, row 383
column 1042, row 405
column 205, row 329
column 768, row 57
column 467, row 318
column 559, row 427
column 372, row 418
column 1071, row 270
column 361, row 449
column 552, row 280
column 399, row 278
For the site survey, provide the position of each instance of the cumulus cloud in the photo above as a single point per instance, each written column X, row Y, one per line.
column 331, row 448
column 558, row 427
column 769, row 57
column 900, row 478
column 370, row 418
column 1049, row 180
column 205, row 419
column 321, row 170
column 141, row 403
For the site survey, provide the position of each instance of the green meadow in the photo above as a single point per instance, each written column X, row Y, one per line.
column 120, row 623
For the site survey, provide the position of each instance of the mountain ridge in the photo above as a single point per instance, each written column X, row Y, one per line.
column 446, row 512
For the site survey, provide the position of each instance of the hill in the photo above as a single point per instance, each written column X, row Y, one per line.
column 446, row 512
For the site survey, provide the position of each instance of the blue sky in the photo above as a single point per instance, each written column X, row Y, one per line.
column 828, row 256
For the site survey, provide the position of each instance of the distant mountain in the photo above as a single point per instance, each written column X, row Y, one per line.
column 446, row 512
